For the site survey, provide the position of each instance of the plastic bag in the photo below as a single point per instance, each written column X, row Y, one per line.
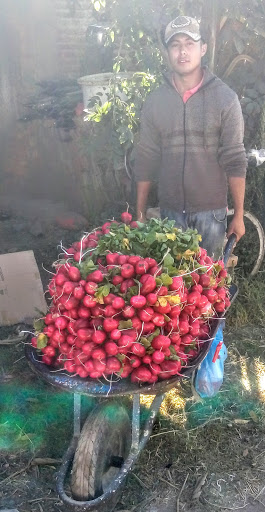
column 209, row 376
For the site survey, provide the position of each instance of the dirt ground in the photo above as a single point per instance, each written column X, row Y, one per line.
column 202, row 455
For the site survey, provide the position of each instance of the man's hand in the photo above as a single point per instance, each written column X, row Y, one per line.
column 236, row 226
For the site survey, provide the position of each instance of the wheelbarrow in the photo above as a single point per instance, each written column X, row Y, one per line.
column 101, row 455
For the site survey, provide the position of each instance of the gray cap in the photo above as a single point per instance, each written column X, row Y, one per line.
column 183, row 25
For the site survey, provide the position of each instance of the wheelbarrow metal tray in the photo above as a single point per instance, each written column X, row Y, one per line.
column 104, row 388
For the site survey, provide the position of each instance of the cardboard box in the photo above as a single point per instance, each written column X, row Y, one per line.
column 21, row 290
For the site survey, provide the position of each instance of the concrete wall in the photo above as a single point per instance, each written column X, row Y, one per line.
column 39, row 40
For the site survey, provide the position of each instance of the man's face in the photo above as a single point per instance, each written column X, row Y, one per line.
column 185, row 54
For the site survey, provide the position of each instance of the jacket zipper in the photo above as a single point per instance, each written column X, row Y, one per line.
column 184, row 158
column 184, row 131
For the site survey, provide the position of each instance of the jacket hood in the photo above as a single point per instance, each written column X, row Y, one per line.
column 208, row 77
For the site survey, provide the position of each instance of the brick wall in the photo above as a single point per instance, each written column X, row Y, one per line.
column 72, row 19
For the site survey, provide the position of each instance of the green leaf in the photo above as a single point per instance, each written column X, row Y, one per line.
column 168, row 261
column 97, row 5
column 42, row 341
column 166, row 279
column 125, row 324
column 38, row 325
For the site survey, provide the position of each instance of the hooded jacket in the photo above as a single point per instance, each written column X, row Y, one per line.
column 190, row 148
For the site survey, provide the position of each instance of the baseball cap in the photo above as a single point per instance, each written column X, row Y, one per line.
column 183, row 25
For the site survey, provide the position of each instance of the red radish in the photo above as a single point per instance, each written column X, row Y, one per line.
column 96, row 323
column 80, row 370
column 170, row 368
column 197, row 288
column 138, row 301
column 69, row 287
column 118, row 303
column 222, row 293
column 195, row 277
column 99, row 366
column 127, row 271
column 70, row 303
column 126, row 217
column 58, row 336
column 49, row 330
column 109, row 298
column 123, row 258
column 159, row 320
column 80, row 358
column 89, row 302
column 158, row 356
column 183, row 327
column 109, row 324
column 112, row 258
column 84, row 312
column 71, row 339
column 177, row 284
column 194, row 298
column 105, row 226
column 49, row 351
column 175, row 311
column 211, row 295
column 189, row 308
column 160, row 342
column 98, row 353
column 74, row 274
column 135, row 361
column 113, row 365
column 91, row 287
column 97, row 310
column 141, row 374
column 125, row 341
column 98, row 337
column 128, row 312
column 205, row 280
column 115, row 334
column 219, row 307
column 110, row 311
column 61, row 323
column 49, row 319
column 138, row 349
column 134, row 259
column 88, row 347
column 187, row 339
column 162, row 290
column 164, row 310
column 148, row 286
column 151, row 262
column 141, row 267
column 85, row 334
column 79, row 292
column 111, row 348
column 147, row 359
column 151, row 298
column 146, row 314
column 60, row 279
column 70, row 366
column 136, row 323
column 116, row 280
column 47, row 360
column 175, row 338
column 133, row 224
column 223, row 273
column 148, row 327
column 126, row 284
column 155, row 270
column 96, row 276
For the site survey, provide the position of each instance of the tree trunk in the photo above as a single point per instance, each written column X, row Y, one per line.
column 210, row 25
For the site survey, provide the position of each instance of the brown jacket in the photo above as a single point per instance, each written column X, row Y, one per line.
column 191, row 148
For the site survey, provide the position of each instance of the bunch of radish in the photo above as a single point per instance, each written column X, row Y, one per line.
column 125, row 316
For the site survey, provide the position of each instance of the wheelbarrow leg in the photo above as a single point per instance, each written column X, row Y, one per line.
column 77, row 414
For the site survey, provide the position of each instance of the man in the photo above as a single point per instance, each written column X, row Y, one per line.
column 191, row 142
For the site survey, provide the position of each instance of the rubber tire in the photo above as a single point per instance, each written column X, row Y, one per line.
column 106, row 432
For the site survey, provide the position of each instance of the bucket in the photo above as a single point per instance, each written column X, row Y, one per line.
column 99, row 85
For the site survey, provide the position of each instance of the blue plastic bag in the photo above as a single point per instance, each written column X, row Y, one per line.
column 210, row 374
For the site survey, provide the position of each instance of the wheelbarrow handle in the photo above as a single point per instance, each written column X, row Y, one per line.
column 229, row 248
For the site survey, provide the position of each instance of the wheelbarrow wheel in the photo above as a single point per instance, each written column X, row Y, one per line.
column 103, row 446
